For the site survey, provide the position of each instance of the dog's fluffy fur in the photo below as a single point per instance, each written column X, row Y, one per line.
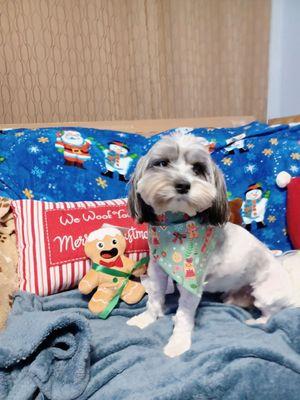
column 240, row 261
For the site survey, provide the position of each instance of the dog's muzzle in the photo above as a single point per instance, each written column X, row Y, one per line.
column 182, row 187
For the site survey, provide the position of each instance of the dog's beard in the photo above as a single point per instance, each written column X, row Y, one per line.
column 158, row 191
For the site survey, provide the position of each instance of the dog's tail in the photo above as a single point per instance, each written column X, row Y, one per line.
column 291, row 263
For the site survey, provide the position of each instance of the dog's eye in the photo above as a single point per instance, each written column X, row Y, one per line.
column 100, row 245
column 161, row 163
column 199, row 168
column 114, row 241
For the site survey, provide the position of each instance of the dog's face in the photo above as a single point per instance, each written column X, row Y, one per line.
column 178, row 175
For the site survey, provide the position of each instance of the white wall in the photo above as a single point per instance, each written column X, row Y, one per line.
column 284, row 62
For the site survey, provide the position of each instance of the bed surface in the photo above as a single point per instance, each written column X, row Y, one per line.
column 146, row 127
column 70, row 354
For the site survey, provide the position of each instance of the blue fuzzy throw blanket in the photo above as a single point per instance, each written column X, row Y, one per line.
column 53, row 348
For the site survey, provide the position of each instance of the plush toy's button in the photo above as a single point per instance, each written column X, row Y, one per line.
column 115, row 280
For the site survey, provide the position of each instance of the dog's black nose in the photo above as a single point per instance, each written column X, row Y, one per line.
column 182, row 187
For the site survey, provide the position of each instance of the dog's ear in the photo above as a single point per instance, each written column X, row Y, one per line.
column 219, row 212
column 138, row 209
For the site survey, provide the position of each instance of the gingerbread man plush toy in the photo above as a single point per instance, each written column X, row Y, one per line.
column 111, row 272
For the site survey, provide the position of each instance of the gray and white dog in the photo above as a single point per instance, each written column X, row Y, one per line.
column 179, row 175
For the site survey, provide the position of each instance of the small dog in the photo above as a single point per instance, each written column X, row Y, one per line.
column 178, row 175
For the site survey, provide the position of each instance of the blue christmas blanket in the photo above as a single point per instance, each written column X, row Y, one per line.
column 43, row 354
column 67, row 164
column 55, row 349
column 74, row 164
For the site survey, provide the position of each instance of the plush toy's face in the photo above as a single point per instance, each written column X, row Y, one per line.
column 73, row 138
column 254, row 194
column 106, row 250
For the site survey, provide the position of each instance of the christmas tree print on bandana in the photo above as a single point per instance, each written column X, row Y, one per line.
column 182, row 246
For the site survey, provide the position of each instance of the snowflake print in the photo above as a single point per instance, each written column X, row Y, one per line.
column 251, row 168
column 19, row 134
column 34, row 149
column 232, row 179
column 28, row 193
column 44, row 160
column 268, row 234
column 52, row 186
column 43, row 139
column 250, row 145
column 278, row 201
column 271, row 218
column 267, row 152
column 294, row 169
column 101, row 182
column 274, row 141
column 251, row 156
column 80, row 187
column 284, row 231
column 227, row 161
column 37, row 172
column 295, row 156
column 270, row 180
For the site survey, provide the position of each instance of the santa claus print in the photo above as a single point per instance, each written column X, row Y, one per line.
column 74, row 148
column 117, row 159
column 254, row 206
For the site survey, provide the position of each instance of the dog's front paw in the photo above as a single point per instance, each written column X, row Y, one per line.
column 142, row 320
column 178, row 344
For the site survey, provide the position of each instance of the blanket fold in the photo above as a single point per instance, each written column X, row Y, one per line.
column 45, row 354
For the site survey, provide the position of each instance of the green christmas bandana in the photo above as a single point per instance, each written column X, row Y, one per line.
column 182, row 247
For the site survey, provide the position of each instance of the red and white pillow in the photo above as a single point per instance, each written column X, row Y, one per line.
column 51, row 237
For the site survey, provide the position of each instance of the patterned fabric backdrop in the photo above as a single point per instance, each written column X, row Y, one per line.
column 74, row 164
